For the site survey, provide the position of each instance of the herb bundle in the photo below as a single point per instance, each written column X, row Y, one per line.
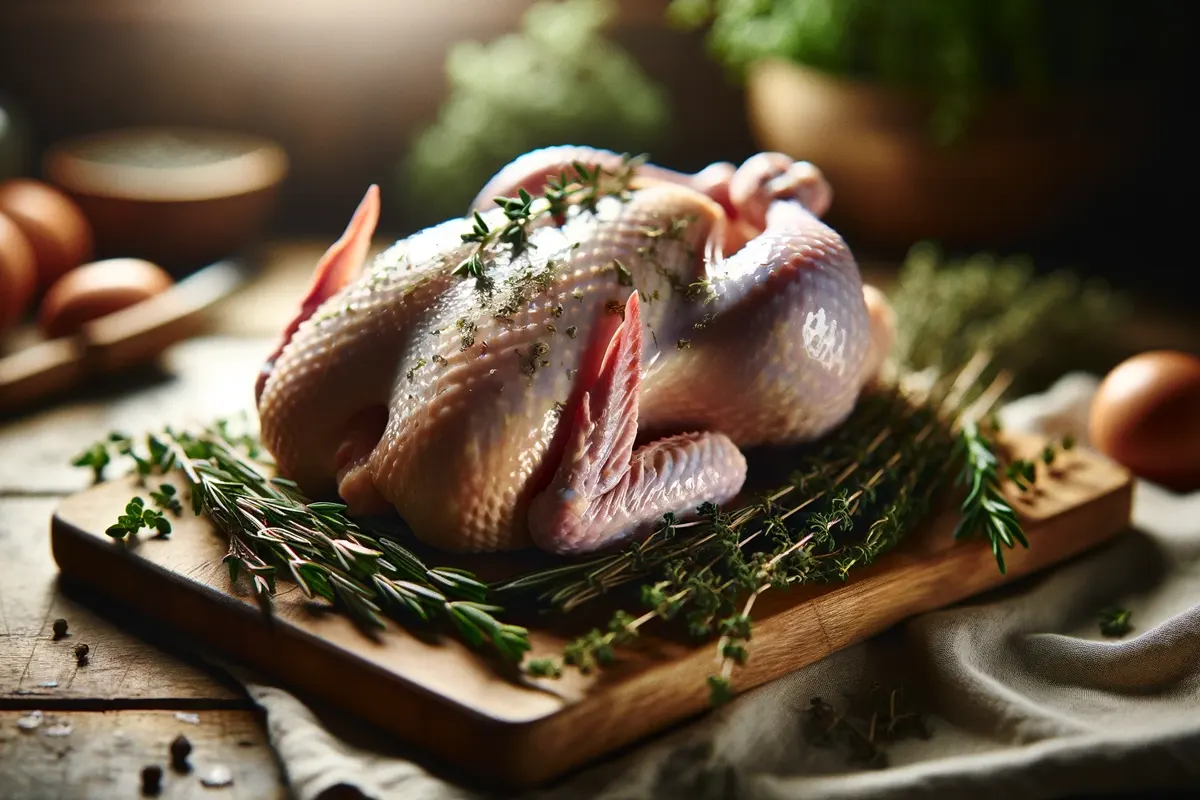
column 273, row 529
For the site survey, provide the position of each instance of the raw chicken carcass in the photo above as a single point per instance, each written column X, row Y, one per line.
column 605, row 375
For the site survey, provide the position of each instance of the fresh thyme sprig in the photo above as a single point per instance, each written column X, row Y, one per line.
column 1023, row 472
column 581, row 185
column 273, row 528
column 136, row 517
column 870, row 720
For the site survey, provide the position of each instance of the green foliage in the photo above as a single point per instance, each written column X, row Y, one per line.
column 1034, row 325
column 985, row 510
column 1115, row 622
column 136, row 517
column 950, row 49
column 556, row 81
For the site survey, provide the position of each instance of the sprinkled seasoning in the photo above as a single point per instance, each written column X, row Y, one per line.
column 151, row 780
column 181, row 748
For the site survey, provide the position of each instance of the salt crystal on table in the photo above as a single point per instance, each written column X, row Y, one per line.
column 59, row 729
column 190, row 719
column 217, row 776
column 31, row 721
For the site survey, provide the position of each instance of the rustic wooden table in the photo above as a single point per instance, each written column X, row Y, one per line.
column 137, row 693
column 103, row 722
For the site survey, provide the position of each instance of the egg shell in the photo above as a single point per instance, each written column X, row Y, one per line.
column 58, row 230
column 1146, row 416
column 18, row 272
column 96, row 290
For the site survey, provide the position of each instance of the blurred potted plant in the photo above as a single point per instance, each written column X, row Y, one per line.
column 973, row 123
column 557, row 80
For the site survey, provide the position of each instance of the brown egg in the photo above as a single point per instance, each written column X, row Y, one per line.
column 18, row 272
column 1146, row 416
column 59, row 232
column 96, row 290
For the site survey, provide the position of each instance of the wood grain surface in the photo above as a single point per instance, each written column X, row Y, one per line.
column 103, row 754
column 441, row 697
column 121, row 707
column 124, row 666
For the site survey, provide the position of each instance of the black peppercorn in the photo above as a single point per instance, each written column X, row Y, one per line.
column 60, row 628
column 81, row 654
column 181, row 748
column 151, row 780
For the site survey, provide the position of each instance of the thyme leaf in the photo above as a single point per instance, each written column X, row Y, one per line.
column 1115, row 622
column 582, row 185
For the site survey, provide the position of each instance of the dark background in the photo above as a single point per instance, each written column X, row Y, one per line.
column 344, row 86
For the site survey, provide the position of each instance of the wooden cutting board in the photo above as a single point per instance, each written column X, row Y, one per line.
column 440, row 697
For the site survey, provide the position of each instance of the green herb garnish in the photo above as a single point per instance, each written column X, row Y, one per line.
column 869, row 721
column 272, row 528
column 167, row 499
column 136, row 517
column 584, row 186
column 985, row 511
column 1115, row 622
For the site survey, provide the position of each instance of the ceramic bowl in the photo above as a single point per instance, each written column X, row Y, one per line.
column 178, row 197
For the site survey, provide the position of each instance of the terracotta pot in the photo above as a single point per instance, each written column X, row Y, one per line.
column 1023, row 168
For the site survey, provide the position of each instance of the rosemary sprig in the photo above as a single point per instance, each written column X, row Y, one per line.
column 272, row 529
column 985, row 510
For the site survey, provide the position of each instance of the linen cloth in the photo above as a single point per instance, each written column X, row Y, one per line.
column 1022, row 695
